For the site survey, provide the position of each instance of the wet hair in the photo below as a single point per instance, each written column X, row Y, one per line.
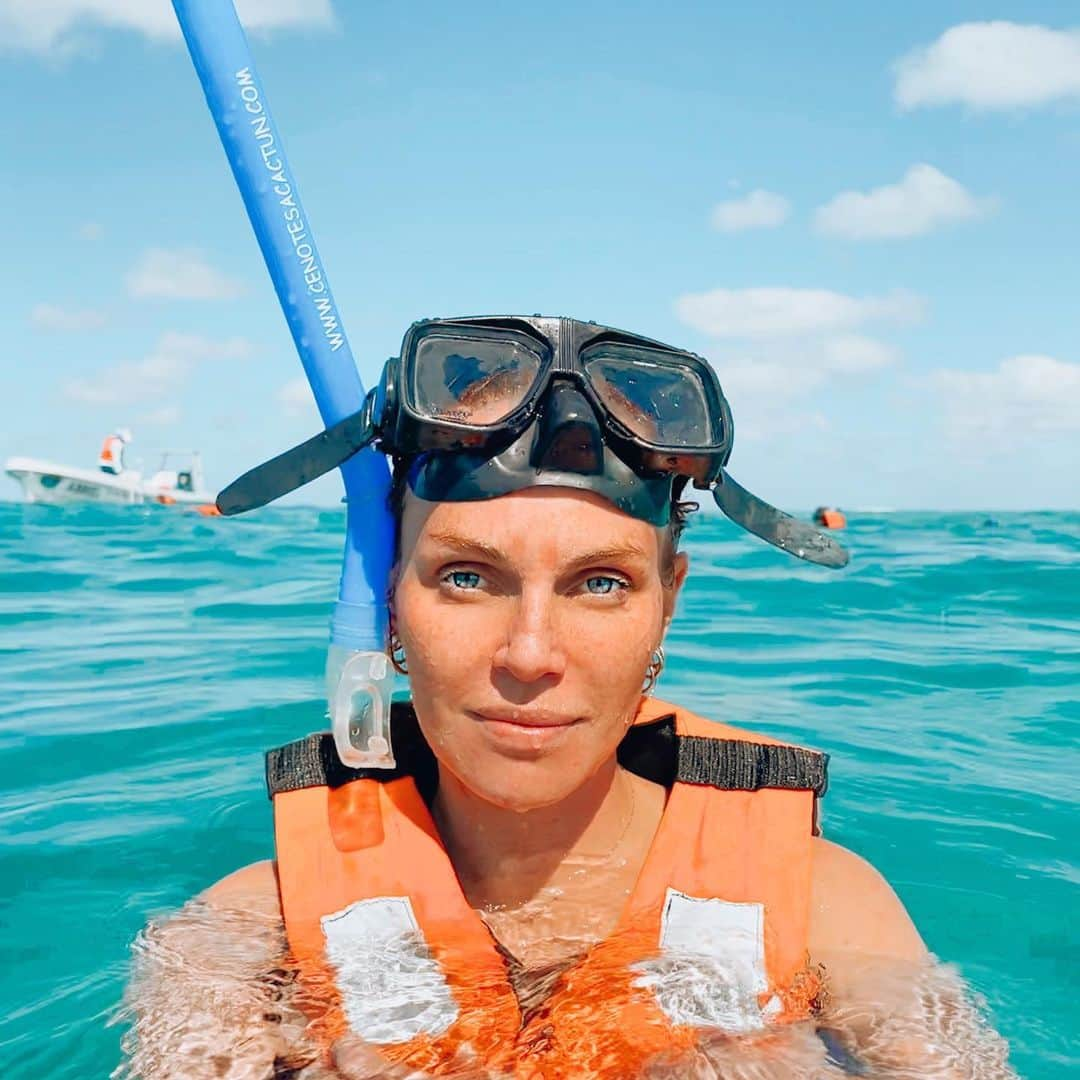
column 680, row 509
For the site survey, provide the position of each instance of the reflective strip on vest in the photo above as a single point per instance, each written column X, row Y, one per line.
column 711, row 967
column 392, row 989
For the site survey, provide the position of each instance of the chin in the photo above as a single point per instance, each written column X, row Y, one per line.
column 520, row 785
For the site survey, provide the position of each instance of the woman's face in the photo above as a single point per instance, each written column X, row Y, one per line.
column 528, row 623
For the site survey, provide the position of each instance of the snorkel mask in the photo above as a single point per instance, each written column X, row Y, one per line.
column 484, row 406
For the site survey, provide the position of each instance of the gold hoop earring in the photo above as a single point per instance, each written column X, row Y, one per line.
column 656, row 665
column 397, row 654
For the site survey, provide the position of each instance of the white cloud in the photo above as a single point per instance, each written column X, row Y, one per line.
column 163, row 371
column 780, row 312
column 775, row 370
column 759, row 210
column 180, row 275
column 770, row 390
column 1026, row 395
column 768, row 420
column 853, row 354
column 296, row 398
column 754, row 377
column 991, row 65
column 777, row 347
column 91, row 230
column 52, row 317
column 922, row 200
column 64, row 26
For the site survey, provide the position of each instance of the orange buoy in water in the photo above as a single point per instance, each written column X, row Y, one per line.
column 208, row 510
column 829, row 517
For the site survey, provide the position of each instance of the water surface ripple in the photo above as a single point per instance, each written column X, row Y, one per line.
column 148, row 657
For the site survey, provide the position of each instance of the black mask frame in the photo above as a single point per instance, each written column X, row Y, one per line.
column 398, row 421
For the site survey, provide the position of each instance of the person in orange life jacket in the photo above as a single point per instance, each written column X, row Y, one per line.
column 111, row 458
column 519, row 895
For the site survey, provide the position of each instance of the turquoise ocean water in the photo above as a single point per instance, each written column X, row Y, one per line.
column 148, row 657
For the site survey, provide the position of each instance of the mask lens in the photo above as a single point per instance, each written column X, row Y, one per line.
column 662, row 402
column 472, row 381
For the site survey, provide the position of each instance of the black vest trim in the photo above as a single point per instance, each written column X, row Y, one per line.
column 313, row 761
column 748, row 766
column 653, row 751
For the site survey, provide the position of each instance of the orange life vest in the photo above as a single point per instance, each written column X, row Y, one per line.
column 112, row 452
column 829, row 517
column 388, row 947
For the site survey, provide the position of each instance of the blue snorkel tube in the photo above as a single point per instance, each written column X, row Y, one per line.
column 359, row 678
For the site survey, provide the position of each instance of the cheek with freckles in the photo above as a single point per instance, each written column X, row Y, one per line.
column 452, row 674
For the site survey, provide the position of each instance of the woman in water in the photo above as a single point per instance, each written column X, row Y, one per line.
column 562, row 877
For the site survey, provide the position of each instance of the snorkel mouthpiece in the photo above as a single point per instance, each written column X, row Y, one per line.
column 359, row 687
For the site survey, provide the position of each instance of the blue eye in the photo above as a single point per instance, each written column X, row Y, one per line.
column 463, row 579
column 601, row 585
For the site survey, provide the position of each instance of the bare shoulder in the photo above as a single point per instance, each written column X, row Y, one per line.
column 853, row 909
column 240, row 915
column 252, row 888
column 201, row 982
column 886, row 999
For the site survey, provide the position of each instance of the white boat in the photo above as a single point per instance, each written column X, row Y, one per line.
column 178, row 480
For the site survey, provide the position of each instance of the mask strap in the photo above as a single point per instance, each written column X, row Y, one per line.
column 777, row 528
column 300, row 465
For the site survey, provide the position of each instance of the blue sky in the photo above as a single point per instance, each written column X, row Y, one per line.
column 864, row 215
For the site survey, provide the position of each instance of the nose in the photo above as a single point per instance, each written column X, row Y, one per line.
column 534, row 650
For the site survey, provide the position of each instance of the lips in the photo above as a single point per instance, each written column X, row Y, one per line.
column 529, row 719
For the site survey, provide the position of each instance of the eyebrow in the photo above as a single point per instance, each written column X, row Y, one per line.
column 470, row 545
column 613, row 554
